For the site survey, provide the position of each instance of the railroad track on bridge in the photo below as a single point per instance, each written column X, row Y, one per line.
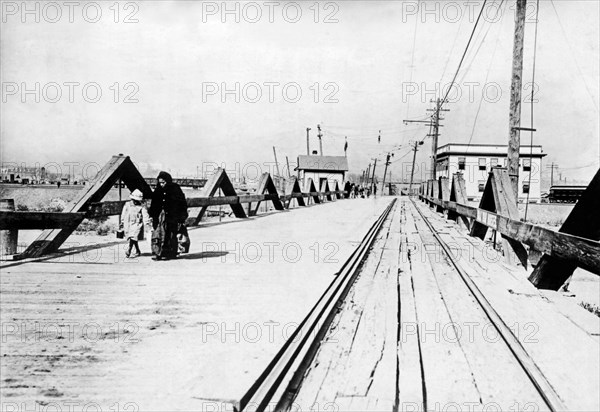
column 279, row 382
column 284, row 378
column 536, row 376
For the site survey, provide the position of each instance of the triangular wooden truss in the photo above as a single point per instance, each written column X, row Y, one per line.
column 312, row 190
column 219, row 180
column 552, row 272
column 291, row 190
column 443, row 192
column 458, row 194
column 325, row 190
column 266, row 184
column 119, row 167
column 435, row 191
column 337, row 191
column 498, row 197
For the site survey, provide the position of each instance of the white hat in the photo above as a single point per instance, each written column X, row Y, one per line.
column 137, row 195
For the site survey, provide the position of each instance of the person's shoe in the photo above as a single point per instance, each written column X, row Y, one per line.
column 127, row 254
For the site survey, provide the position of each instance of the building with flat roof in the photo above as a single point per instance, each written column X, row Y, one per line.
column 476, row 160
column 321, row 168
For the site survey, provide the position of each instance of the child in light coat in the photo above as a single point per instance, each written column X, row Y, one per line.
column 133, row 218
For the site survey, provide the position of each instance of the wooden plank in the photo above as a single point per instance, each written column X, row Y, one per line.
column 574, row 250
column 471, row 327
column 541, row 328
column 325, row 191
column 219, row 180
column 584, row 252
column 266, row 184
column 552, row 272
column 458, row 194
column 38, row 220
column 454, row 381
column 294, row 192
column 410, row 378
column 312, row 190
column 51, row 239
column 443, row 192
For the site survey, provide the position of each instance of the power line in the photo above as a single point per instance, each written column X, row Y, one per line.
column 465, row 52
column 451, row 50
column 486, row 79
column 412, row 60
column 564, row 33
column 532, row 106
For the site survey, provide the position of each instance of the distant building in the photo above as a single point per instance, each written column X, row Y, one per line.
column 321, row 168
column 566, row 193
column 475, row 162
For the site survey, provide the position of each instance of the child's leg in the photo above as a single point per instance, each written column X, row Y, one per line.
column 137, row 247
column 129, row 247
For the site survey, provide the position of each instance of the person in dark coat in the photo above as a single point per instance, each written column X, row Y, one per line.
column 168, row 211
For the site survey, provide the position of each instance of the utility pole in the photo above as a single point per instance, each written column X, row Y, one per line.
column 387, row 163
column 412, row 172
column 320, row 141
column 307, row 141
column 288, row 167
column 362, row 178
column 514, row 141
column 552, row 167
column 434, row 124
column 368, row 176
column 276, row 164
column 373, row 178
column 436, row 133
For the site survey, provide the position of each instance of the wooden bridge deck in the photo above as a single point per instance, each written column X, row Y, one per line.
column 412, row 335
column 92, row 327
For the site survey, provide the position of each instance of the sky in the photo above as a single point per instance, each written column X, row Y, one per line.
column 186, row 86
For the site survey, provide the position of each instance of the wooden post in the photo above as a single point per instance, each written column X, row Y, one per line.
column 444, row 192
column 8, row 238
column 583, row 221
column 515, row 98
column 458, row 194
column 276, row 164
column 498, row 198
column 373, row 178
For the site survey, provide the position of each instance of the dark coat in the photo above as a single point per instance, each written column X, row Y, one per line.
column 169, row 198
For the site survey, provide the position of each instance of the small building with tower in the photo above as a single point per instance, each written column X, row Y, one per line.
column 476, row 160
column 321, row 168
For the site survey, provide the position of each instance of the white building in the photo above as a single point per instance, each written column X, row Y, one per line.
column 321, row 168
column 475, row 161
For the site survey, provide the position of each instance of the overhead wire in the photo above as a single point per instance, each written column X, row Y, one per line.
column 464, row 53
column 564, row 33
column 532, row 106
column 485, row 82
column 412, row 61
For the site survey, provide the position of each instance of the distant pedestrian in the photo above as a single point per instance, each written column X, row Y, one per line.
column 168, row 211
column 133, row 218
column 58, row 185
column 347, row 187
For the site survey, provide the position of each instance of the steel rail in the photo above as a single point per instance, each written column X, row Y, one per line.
column 278, row 382
column 536, row 376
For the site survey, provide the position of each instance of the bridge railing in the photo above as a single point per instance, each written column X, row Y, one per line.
column 58, row 226
column 576, row 244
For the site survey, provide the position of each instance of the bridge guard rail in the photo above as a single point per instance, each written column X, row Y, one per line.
column 576, row 244
column 58, row 226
